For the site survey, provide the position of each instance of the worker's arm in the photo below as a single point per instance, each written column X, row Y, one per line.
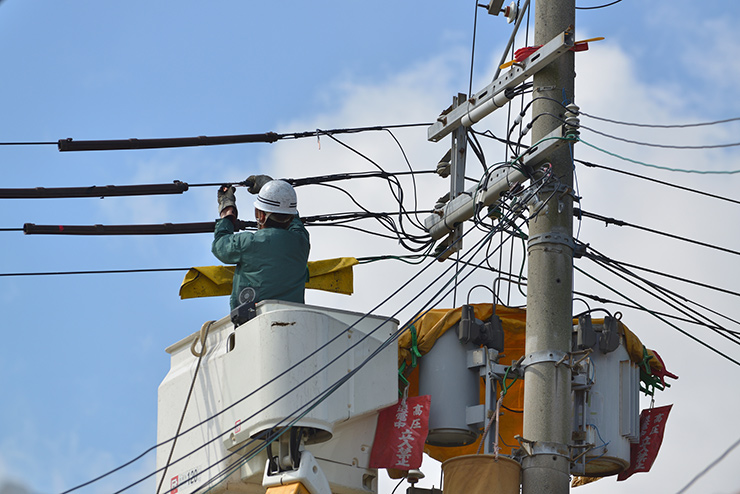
column 226, row 246
column 296, row 225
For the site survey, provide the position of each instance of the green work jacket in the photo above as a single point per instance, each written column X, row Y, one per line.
column 271, row 260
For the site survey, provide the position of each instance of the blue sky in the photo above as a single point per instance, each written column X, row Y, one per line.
column 84, row 354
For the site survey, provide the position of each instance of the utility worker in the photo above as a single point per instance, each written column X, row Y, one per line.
column 273, row 259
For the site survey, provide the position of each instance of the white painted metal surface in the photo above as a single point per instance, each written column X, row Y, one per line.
column 244, row 371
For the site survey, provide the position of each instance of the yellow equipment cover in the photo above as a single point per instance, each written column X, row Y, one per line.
column 331, row 275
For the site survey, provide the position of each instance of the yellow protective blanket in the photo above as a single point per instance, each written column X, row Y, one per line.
column 435, row 322
column 331, row 275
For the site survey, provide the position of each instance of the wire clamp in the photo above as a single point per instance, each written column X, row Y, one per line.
column 555, row 356
column 551, row 238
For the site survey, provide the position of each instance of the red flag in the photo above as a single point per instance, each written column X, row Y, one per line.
column 642, row 454
column 400, row 435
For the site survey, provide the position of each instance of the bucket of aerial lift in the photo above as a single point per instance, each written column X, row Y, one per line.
column 301, row 351
column 271, row 373
column 481, row 474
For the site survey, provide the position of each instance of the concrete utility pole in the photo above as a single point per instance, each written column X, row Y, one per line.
column 547, row 401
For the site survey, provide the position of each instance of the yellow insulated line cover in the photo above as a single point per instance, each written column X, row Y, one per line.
column 331, row 275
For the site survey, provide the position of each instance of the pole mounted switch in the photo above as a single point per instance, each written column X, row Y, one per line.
column 471, row 330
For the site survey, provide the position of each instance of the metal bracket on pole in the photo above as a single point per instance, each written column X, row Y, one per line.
column 494, row 95
column 500, row 180
column 551, row 238
column 545, row 356
column 457, row 178
column 536, row 448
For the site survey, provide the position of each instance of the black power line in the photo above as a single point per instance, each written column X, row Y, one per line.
column 661, row 182
column 669, row 297
column 660, row 126
column 599, row 6
column 100, row 271
column 161, row 229
column 176, row 187
column 70, row 144
column 659, row 317
column 612, row 221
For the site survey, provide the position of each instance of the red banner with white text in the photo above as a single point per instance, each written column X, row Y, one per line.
column 400, row 435
column 642, row 454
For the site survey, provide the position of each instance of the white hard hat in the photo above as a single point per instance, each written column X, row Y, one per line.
column 277, row 196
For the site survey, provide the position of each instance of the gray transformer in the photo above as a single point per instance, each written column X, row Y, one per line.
column 444, row 374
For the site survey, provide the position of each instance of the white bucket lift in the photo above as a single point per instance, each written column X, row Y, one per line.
column 263, row 376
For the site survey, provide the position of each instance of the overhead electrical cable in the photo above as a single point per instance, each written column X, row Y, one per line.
column 611, row 221
column 677, row 303
column 710, row 466
column 673, row 277
column 599, row 6
column 413, row 176
column 384, row 219
column 668, row 297
column 398, row 195
column 661, row 182
column 659, row 167
column 69, row 144
column 157, row 229
column 472, row 49
column 100, row 271
column 606, row 301
column 657, row 316
column 521, row 280
column 510, row 277
column 205, row 227
column 320, row 179
column 29, row 143
column 662, row 146
column 660, row 126
column 176, row 187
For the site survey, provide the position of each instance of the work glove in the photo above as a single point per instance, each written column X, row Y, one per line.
column 226, row 198
column 257, row 181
